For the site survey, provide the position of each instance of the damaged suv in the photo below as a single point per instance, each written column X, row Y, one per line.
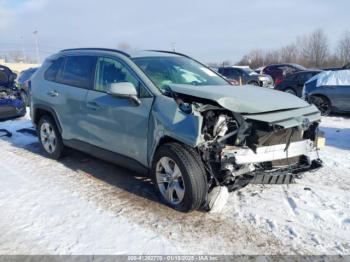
column 166, row 114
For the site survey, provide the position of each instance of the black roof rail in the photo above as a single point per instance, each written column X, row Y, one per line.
column 169, row 52
column 98, row 49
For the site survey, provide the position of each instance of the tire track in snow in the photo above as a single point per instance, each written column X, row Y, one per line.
column 107, row 187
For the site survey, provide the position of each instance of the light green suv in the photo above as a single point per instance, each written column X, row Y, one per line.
column 167, row 115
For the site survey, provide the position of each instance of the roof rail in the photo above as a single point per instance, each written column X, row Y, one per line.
column 169, row 52
column 98, row 49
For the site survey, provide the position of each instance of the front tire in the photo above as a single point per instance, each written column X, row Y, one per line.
column 179, row 177
column 323, row 104
column 49, row 137
column 290, row 91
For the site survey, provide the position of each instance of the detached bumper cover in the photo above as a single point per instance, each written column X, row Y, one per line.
column 281, row 176
column 286, row 176
column 305, row 149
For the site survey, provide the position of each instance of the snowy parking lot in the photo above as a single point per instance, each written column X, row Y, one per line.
column 82, row 205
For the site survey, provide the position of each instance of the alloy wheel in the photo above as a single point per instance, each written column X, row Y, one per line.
column 48, row 137
column 170, row 180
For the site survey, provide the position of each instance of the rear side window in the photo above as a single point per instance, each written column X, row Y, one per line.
column 52, row 72
column 78, row 71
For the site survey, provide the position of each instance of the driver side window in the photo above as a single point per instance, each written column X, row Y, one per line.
column 111, row 71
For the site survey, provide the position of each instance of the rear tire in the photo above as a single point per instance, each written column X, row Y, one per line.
column 49, row 137
column 179, row 177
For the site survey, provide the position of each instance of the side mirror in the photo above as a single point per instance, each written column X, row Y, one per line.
column 124, row 90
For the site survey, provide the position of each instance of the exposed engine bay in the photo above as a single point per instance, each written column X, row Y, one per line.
column 237, row 150
column 6, row 93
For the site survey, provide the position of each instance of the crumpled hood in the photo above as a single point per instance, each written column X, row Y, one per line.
column 243, row 99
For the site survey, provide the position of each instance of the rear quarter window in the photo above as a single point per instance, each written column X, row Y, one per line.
column 78, row 71
column 52, row 72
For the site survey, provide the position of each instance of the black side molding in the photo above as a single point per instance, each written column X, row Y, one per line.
column 107, row 155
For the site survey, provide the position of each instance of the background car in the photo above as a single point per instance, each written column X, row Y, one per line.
column 23, row 83
column 11, row 105
column 278, row 72
column 7, row 77
column 329, row 91
column 245, row 75
column 294, row 83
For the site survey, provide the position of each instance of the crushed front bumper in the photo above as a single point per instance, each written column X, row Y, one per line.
column 286, row 176
column 270, row 153
column 280, row 176
column 304, row 150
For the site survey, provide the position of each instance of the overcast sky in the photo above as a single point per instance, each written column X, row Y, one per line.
column 210, row 30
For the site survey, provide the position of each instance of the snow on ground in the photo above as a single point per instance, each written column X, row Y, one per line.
column 312, row 216
column 82, row 205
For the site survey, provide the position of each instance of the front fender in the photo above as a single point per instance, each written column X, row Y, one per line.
column 167, row 120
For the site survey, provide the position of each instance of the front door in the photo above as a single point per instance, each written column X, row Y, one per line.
column 118, row 124
column 340, row 96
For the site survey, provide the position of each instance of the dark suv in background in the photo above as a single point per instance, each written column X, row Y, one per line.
column 278, row 72
column 245, row 75
column 11, row 105
column 23, row 83
column 294, row 83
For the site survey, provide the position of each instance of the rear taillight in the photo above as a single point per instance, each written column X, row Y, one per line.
column 278, row 81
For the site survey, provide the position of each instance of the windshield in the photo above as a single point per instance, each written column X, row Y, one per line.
column 177, row 70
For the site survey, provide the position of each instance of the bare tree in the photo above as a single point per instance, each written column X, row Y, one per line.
column 254, row 59
column 289, row 54
column 343, row 49
column 314, row 48
column 272, row 57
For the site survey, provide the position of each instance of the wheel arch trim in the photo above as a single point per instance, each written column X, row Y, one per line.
column 35, row 118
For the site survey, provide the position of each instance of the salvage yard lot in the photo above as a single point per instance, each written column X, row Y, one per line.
column 81, row 205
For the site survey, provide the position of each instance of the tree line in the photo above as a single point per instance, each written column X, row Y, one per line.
column 310, row 50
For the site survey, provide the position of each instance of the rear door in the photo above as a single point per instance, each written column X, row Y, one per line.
column 68, row 94
column 118, row 124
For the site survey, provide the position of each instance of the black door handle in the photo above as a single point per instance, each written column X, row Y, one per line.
column 93, row 105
